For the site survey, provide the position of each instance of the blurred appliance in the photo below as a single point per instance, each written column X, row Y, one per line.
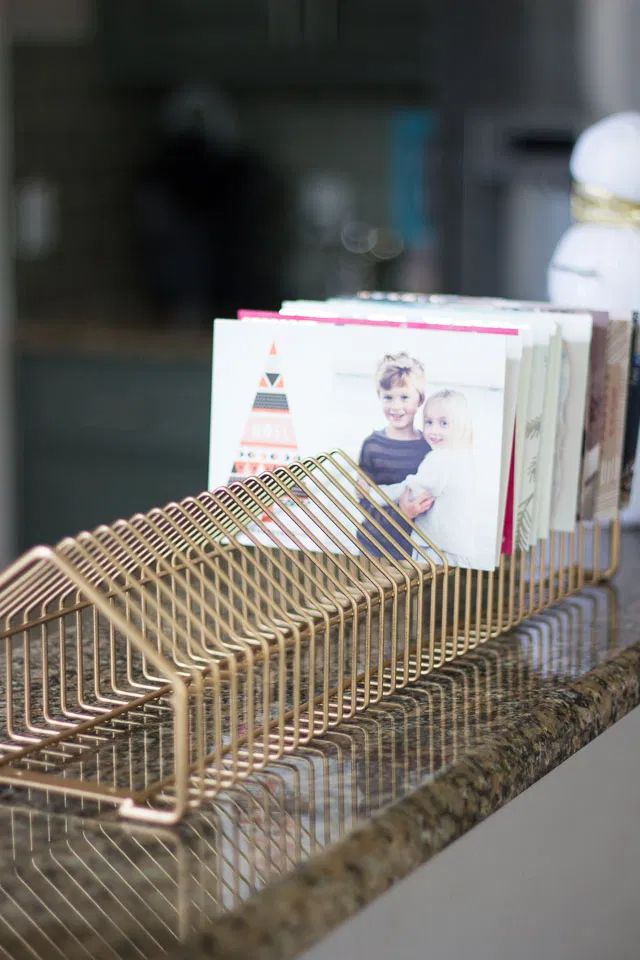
column 515, row 198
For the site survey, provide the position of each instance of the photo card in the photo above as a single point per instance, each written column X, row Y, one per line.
column 519, row 359
column 421, row 410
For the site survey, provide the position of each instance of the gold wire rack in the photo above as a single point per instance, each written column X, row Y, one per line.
column 155, row 887
column 222, row 632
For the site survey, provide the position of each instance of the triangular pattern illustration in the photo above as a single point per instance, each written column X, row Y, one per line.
column 268, row 440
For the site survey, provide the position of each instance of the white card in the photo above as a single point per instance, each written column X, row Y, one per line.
column 466, row 315
column 327, row 399
column 561, row 499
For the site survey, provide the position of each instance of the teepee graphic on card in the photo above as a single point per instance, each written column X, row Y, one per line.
column 268, row 440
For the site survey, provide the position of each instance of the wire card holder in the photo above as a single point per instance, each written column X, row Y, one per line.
column 219, row 633
column 264, row 826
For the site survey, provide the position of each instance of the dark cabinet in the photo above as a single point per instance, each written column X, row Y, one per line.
column 269, row 43
column 102, row 437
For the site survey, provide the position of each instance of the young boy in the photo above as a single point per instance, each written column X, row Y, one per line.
column 389, row 455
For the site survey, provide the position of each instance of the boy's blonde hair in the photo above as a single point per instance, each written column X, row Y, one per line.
column 461, row 433
column 398, row 369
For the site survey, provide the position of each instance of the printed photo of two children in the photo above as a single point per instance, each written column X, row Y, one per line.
column 427, row 431
column 421, row 412
column 422, row 458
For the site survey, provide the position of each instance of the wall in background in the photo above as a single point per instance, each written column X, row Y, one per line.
column 83, row 141
column 80, row 142
column 7, row 314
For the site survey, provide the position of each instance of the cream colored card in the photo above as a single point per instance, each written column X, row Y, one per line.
column 557, row 507
column 572, row 411
column 618, row 347
column 560, row 497
column 544, row 471
column 595, row 415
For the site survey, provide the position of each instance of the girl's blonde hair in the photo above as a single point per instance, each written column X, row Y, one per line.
column 461, row 433
column 398, row 369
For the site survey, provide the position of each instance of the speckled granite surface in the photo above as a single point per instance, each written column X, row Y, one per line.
column 273, row 865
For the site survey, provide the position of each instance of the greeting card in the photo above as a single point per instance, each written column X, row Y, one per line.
column 421, row 410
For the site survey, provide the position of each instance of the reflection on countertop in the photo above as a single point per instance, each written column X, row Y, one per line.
column 269, row 866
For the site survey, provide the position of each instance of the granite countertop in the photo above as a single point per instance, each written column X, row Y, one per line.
column 270, row 867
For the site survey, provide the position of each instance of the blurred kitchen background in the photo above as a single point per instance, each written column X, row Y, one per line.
column 164, row 162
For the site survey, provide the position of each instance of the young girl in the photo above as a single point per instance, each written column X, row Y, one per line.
column 446, row 474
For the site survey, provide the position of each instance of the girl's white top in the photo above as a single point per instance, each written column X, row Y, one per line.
column 447, row 474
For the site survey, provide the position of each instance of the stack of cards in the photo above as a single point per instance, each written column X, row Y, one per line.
column 486, row 423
